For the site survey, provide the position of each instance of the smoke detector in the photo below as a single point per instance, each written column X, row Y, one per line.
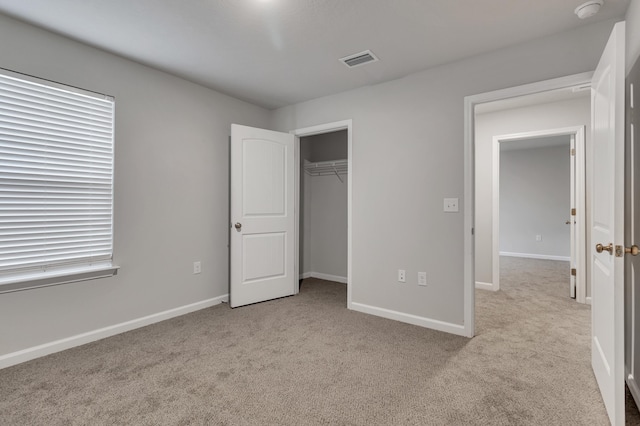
column 588, row 9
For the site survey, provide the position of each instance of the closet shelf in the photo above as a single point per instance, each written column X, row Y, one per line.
column 326, row 168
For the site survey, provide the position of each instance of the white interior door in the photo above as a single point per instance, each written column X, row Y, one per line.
column 262, row 215
column 607, row 225
column 572, row 221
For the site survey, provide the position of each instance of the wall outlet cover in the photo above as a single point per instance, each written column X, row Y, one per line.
column 451, row 205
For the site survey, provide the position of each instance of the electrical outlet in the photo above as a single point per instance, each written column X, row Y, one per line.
column 197, row 267
column 538, row 237
column 451, row 205
column 422, row 278
column 402, row 276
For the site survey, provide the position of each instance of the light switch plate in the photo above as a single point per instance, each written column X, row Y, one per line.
column 451, row 205
column 422, row 278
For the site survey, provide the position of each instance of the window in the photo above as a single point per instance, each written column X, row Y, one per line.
column 56, row 183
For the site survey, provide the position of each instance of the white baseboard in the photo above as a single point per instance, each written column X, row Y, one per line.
column 633, row 386
column 328, row 277
column 322, row 276
column 536, row 256
column 485, row 286
column 410, row 319
column 91, row 336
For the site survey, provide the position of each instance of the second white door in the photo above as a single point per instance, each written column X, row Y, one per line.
column 262, row 215
column 607, row 225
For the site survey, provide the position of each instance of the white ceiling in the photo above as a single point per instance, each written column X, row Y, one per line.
column 279, row 52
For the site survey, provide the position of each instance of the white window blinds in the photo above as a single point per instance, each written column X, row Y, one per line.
column 56, row 177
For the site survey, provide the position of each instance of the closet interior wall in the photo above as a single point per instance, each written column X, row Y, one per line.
column 323, row 207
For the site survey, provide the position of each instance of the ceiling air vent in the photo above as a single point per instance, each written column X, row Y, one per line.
column 359, row 59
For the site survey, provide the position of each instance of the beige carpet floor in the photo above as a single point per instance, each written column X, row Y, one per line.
column 307, row 360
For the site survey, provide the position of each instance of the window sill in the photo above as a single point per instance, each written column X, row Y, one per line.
column 64, row 276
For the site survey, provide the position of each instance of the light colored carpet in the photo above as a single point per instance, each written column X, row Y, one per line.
column 307, row 360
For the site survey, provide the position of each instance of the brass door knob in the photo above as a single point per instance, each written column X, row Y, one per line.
column 238, row 225
column 600, row 248
column 633, row 250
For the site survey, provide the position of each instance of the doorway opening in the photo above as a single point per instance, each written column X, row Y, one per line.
column 538, row 199
column 323, row 206
column 474, row 168
column 523, row 200
column 323, row 213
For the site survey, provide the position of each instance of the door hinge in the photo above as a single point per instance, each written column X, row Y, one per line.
column 573, row 271
column 573, row 151
column 573, row 212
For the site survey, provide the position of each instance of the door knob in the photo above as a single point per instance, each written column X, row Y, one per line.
column 600, row 248
column 238, row 225
column 633, row 250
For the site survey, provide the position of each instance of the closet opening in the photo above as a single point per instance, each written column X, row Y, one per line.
column 324, row 208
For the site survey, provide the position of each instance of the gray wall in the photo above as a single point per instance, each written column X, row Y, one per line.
column 408, row 155
column 328, row 146
column 633, row 33
column 324, row 209
column 171, row 191
column 329, row 225
column 535, row 194
column 554, row 115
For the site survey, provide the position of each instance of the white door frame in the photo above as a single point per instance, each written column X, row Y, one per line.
column 316, row 130
column 632, row 362
column 469, row 171
column 579, row 133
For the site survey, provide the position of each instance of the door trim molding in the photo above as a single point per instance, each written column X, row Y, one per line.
column 469, row 171
column 316, row 130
